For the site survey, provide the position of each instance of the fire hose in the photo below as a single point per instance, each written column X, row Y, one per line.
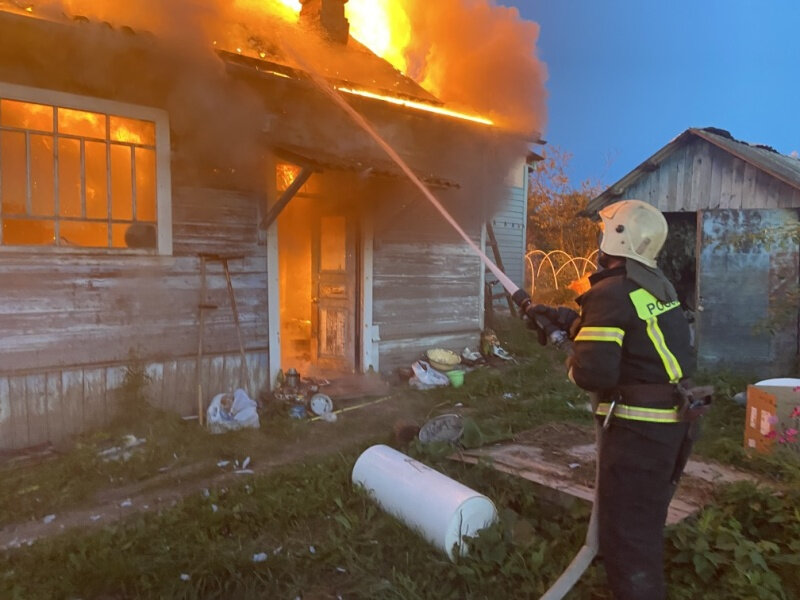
column 549, row 331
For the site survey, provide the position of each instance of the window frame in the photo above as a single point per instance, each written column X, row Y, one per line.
column 158, row 116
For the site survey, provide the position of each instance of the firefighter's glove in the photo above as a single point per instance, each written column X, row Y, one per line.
column 554, row 319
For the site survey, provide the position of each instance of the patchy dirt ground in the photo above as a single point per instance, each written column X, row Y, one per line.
column 294, row 442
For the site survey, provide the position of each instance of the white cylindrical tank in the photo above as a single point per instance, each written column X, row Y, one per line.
column 441, row 509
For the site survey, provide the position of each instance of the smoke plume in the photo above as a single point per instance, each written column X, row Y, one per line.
column 479, row 55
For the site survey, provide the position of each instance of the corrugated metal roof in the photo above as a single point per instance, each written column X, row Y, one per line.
column 782, row 167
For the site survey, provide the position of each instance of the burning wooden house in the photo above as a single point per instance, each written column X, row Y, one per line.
column 729, row 205
column 152, row 193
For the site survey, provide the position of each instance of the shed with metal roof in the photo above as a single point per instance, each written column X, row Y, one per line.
column 732, row 207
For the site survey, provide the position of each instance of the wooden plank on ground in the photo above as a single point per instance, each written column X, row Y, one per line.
column 531, row 463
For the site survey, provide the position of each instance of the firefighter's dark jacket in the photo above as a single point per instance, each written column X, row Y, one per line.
column 625, row 336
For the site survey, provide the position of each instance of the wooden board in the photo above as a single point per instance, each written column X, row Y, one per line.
column 532, row 463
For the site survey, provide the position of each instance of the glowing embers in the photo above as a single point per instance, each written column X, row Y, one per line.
column 286, row 173
column 417, row 105
column 76, row 178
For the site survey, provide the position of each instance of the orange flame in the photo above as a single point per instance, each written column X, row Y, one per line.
column 381, row 25
column 417, row 105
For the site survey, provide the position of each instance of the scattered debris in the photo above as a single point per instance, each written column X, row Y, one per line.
column 320, row 404
column 223, row 463
column 123, row 452
column 444, row 428
column 499, row 352
column 49, row 519
column 126, row 503
column 426, row 377
column 471, row 356
column 329, row 417
column 230, row 412
column 95, row 517
column 298, row 411
column 442, row 359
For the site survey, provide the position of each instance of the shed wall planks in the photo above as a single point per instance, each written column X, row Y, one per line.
column 701, row 176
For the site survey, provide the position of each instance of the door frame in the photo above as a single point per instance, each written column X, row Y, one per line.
column 366, row 332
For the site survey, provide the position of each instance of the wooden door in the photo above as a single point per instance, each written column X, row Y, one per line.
column 334, row 270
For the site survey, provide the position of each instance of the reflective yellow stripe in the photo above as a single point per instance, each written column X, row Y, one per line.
column 637, row 413
column 648, row 307
column 600, row 334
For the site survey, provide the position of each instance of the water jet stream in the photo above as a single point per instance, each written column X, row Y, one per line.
column 336, row 96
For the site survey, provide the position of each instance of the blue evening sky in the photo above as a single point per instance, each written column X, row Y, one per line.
column 627, row 76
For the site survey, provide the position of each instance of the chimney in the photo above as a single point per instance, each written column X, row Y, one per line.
column 327, row 17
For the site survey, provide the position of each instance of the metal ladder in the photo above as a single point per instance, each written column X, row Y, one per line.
column 202, row 307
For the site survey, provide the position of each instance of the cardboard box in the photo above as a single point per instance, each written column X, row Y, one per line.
column 769, row 408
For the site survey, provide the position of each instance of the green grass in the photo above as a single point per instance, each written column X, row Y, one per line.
column 325, row 539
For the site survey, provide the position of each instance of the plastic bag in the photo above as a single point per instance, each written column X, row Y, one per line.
column 426, row 377
column 230, row 412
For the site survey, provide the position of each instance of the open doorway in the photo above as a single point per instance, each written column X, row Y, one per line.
column 319, row 274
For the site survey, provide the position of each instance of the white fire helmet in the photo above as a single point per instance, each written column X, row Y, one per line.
column 633, row 229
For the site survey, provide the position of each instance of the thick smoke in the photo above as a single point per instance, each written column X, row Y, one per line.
column 473, row 54
column 476, row 54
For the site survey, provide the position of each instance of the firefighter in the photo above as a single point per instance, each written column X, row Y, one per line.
column 630, row 348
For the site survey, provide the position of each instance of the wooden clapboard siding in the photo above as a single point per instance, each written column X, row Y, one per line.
column 49, row 406
column 701, row 176
column 72, row 322
column 426, row 283
column 509, row 229
column 215, row 221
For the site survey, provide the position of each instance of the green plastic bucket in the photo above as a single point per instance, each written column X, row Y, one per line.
column 456, row 377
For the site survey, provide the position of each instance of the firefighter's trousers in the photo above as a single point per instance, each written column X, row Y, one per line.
column 637, row 467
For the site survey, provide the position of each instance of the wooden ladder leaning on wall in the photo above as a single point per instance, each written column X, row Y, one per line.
column 490, row 296
column 202, row 307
